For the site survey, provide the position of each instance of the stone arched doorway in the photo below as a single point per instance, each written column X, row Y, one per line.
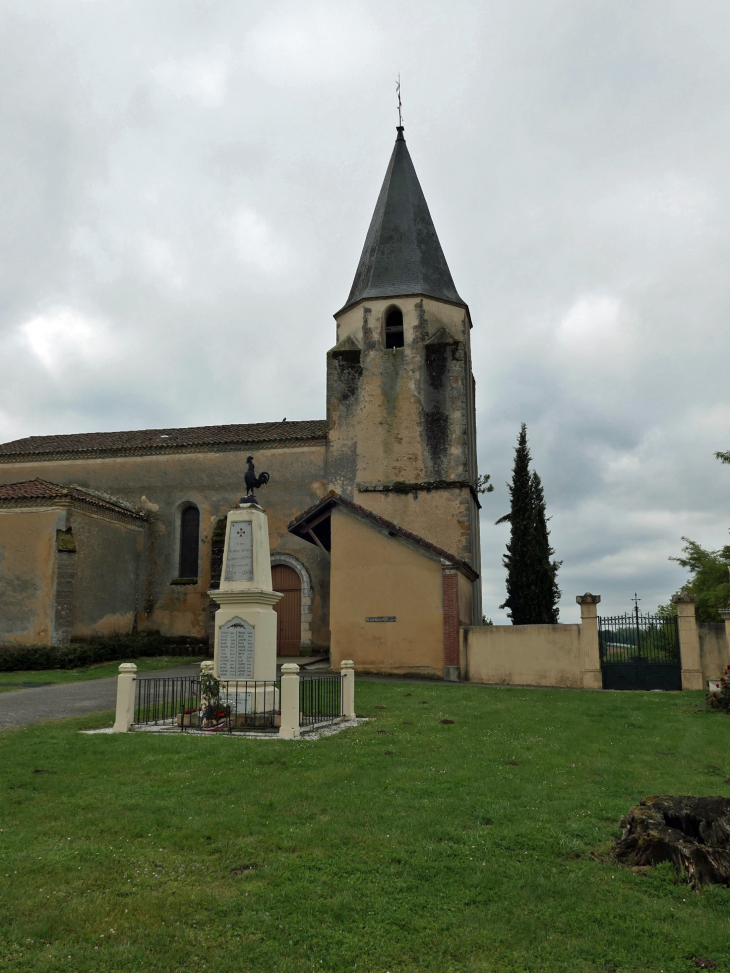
column 289, row 610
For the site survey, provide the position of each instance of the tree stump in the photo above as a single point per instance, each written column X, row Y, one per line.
column 691, row 832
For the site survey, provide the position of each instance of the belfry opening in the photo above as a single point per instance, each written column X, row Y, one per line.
column 394, row 329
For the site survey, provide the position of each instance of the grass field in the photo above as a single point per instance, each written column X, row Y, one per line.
column 48, row 677
column 404, row 844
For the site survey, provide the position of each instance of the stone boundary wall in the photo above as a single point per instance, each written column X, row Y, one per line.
column 563, row 656
column 567, row 656
column 523, row 655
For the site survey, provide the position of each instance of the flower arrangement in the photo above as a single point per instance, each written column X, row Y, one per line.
column 720, row 698
column 213, row 711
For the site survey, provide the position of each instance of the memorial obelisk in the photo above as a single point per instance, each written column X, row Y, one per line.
column 245, row 623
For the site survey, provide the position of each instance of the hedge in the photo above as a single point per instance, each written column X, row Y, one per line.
column 107, row 648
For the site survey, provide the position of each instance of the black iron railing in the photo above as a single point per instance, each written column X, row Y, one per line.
column 320, row 699
column 161, row 701
column 634, row 636
column 232, row 706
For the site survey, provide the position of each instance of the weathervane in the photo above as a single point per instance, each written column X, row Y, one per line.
column 253, row 482
column 400, row 106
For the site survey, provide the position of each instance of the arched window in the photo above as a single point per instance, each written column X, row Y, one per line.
column 189, row 542
column 394, row 329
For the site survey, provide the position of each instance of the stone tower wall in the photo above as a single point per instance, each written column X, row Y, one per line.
column 401, row 422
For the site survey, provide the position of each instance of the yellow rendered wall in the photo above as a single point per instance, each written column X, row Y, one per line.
column 522, row 655
column 372, row 575
column 27, row 563
column 466, row 593
column 106, row 580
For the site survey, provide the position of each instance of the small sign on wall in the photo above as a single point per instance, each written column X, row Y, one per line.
column 380, row 618
column 236, row 650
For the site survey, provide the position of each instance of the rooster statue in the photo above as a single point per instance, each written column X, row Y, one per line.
column 253, row 482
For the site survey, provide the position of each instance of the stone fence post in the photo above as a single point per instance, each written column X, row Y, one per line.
column 590, row 654
column 125, row 697
column 689, row 640
column 289, row 728
column 347, row 669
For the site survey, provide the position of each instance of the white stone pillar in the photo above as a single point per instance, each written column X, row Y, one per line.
column 125, row 697
column 689, row 640
column 590, row 654
column 347, row 670
column 289, row 728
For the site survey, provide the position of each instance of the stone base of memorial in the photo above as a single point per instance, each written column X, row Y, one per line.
column 250, row 704
column 245, row 632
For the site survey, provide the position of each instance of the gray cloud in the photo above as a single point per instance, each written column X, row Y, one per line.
column 186, row 181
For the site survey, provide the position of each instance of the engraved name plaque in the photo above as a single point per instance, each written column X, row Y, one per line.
column 239, row 566
column 236, row 649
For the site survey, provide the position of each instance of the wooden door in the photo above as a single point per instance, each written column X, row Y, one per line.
column 288, row 610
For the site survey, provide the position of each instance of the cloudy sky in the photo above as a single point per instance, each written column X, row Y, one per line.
column 187, row 185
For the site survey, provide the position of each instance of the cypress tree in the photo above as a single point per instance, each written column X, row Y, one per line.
column 520, row 556
column 532, row 590
column 546, row 570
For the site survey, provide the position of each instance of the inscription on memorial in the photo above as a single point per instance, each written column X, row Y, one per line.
column 236, row 650
column 380, row 618
column 239, row 565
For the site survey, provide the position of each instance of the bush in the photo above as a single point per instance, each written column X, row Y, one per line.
column 709, row 579
column 720, row 698
column 101, row 648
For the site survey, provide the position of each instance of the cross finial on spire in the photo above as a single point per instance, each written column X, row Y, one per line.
column 400, row 108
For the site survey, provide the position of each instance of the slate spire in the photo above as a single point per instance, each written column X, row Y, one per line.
column 402, row 254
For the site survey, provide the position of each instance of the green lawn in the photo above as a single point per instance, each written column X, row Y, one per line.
column 47, row 677
column 403, row 845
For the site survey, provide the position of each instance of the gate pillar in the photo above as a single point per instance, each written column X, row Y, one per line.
column 725, row 615
column 689, row 640
column 590, row 655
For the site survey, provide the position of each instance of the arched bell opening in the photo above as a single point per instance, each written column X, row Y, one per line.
column 394, row 328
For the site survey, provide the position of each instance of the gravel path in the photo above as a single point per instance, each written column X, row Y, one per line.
column 24, row 706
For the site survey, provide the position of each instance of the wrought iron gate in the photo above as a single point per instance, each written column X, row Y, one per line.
column 640, row 651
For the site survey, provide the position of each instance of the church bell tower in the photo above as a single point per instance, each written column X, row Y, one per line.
column 401, row 421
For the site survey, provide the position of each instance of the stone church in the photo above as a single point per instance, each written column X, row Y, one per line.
column 373, row 512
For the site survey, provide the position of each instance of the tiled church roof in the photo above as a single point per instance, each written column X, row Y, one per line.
column 38, row 492
column 271, row 435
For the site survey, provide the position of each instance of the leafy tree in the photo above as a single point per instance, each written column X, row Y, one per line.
column 532, row 590
column 710, row 580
